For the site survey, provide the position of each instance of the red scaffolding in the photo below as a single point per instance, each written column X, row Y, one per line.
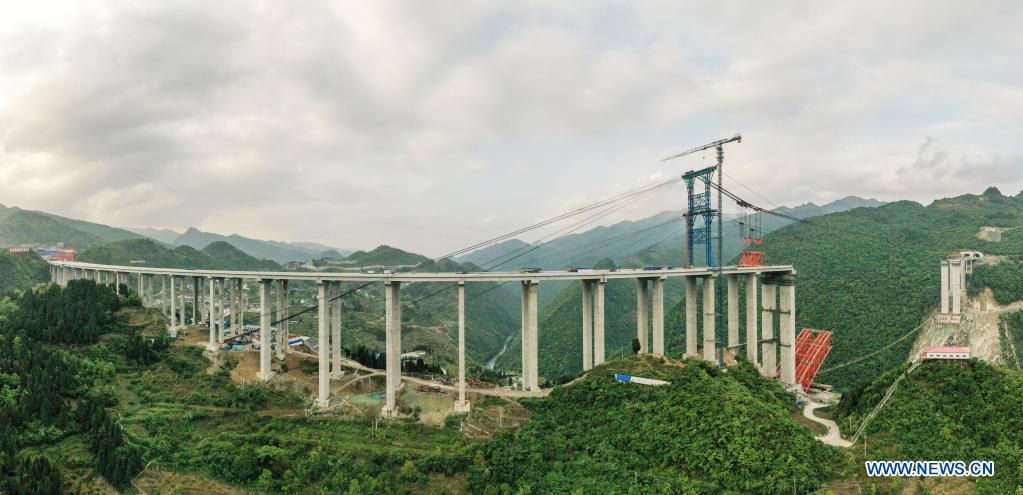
column 812, row 347
column 751, row 258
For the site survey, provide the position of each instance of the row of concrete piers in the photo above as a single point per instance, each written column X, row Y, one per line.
column 212, row 296
column 777, row 303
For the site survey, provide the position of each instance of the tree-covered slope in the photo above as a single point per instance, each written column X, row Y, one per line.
column 560, row 331
column 385, row 256
column 24, row 227
column 870, row 275
column 217, row 255
column 706, row 432
column 21, row 271
column 944, row 411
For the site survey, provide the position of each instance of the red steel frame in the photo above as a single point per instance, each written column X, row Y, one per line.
column 811, row 350
column 751, row 258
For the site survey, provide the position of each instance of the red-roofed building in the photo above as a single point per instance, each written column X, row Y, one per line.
column 947, row 353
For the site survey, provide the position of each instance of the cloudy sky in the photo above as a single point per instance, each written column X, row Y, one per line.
column 430, row 125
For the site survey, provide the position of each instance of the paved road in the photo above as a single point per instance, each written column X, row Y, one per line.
column 834, row 435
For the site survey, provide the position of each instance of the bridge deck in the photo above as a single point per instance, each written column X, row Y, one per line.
column 433, row 276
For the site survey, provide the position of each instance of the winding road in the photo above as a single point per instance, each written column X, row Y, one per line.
column 834, row 435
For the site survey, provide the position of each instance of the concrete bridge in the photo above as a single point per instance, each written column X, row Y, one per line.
column 775, row 285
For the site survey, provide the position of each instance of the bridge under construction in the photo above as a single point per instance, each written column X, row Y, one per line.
column 770, row 291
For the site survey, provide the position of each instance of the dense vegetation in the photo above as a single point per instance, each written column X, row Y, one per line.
column 20, row 271
column 220, row 255
column 1005, row 279
column 870, row 275
column 24, row 227
column 40, row 384
column 706, row 432
column 945, row 411
column 1011, row 338
column 385, row 256
column 560, row 331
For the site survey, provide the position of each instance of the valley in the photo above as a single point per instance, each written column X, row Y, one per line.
column 504, row 423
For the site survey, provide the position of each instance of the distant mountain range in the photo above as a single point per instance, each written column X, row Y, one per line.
column 655, row 239
column 19, row 227
column 279, row 251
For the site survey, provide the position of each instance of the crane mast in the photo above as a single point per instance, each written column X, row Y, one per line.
column 699, row 205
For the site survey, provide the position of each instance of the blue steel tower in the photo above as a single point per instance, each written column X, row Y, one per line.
column 700, row 205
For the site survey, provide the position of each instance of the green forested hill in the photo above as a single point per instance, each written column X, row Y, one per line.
column 217, row 255
column 386, row 256
column 947, row 411
column 21, row 271
column 560, row 331
column 706, row 432
column 870, row 275
column 867, row 274
column 24, row 227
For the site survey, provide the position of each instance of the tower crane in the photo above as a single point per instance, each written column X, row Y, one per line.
column 699, row 204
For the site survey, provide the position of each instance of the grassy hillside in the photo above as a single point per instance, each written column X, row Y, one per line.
column 24, row 227
column 706, row 432
column 948, row 412
column 21, row 271
column 217, row 255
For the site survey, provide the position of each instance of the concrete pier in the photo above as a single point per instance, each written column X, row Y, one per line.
column 219, row 304
column 284, row 326
column 733, row 311
column 461, row 405
column 752, row 339
column 212, row 345
column 598, row 322
column 657, row 309
column 587, row 299
column 956, row 286
column 534, row 337
column 392, row 325
column 172, row 330
column 709, row 351
column 264, row 330
column 195, row 300
column 768, row 348
column 524, row 333
column 944, row 287
column 182, row 321
column 642, row 315
column 692, row 349
column 787, row 331
column 278, row 320
column 336, row 348
column 233, row 304
column 323, row 394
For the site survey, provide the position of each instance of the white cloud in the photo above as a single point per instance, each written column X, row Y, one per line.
column 407, row 123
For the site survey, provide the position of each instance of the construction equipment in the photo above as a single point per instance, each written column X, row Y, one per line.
column 812, row 347
column 699, row 205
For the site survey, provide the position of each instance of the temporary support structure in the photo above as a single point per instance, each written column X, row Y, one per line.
column 811, row 350
column 751, row 258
